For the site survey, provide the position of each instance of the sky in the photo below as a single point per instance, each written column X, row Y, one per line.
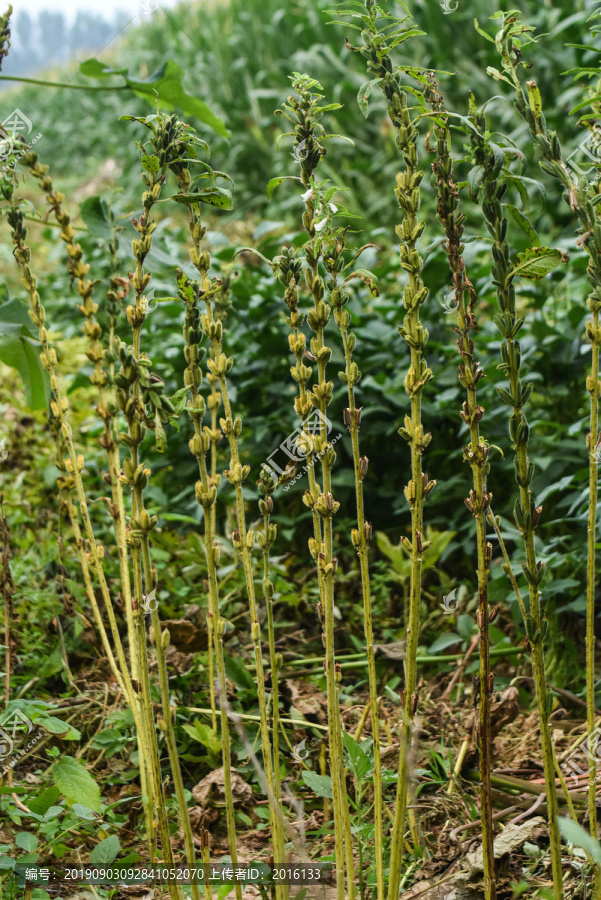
column 142, row 9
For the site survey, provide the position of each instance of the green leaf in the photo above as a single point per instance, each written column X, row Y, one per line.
column 204, row 734
column 575, row 834
column 19, row 351
column 275, row 182
column 320, row 784
column 236, row 670
column 359, row 762
column 76, row 783
column 53, row 725
column 537, row 262
column 444, row 641
column 483, row 33
column 524, row 223
column 84, row 812
column 395, row 553
column 535, row 99
column 95, row 213
column 474, row 180
column 364, row 95
column 39, row 894
column 26, row 841
column 328, row 108
column 93, row 68
column 368, row 278
column 498, row 76
column 465, row 626
column 150, row 164
column 52, row 812
column 167, row 82
column 105, row 852
column 220, row 198
column 43, row 801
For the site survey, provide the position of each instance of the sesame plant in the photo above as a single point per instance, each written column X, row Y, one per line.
column 582, row 197
column 328, row 245
column 379, row 40
column 376, row 801
column 476, row 453
column 304, row 112
column 491, row 186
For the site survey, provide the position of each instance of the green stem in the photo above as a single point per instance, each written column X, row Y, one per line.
column 360, row 540
column 244, row 543
column 475, row 454
column 579, row 196
column 67, row 84
column 593, row 448
column 267, row 485
column 525, row 511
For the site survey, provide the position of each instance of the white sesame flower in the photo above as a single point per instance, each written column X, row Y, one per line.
column 307, row 194
column 333, row 207
column 321, row 225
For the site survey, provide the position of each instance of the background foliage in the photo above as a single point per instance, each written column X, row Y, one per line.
column 237, row 57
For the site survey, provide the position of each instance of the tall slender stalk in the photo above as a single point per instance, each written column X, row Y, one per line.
column 335, row 265
column 107, row 412
column 242, row 540
column 304, row 112
column 219, row 366
column 170, row 144
column 5, row 33
column 475, row 453
column 7, row 589
column 213, row 403
column 74, row 465
column 378, row 44
column 206, row 495
column 526, row 513
column 581, row 196
column 267, row 484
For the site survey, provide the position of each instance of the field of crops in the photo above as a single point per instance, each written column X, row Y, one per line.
column 299, row 447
